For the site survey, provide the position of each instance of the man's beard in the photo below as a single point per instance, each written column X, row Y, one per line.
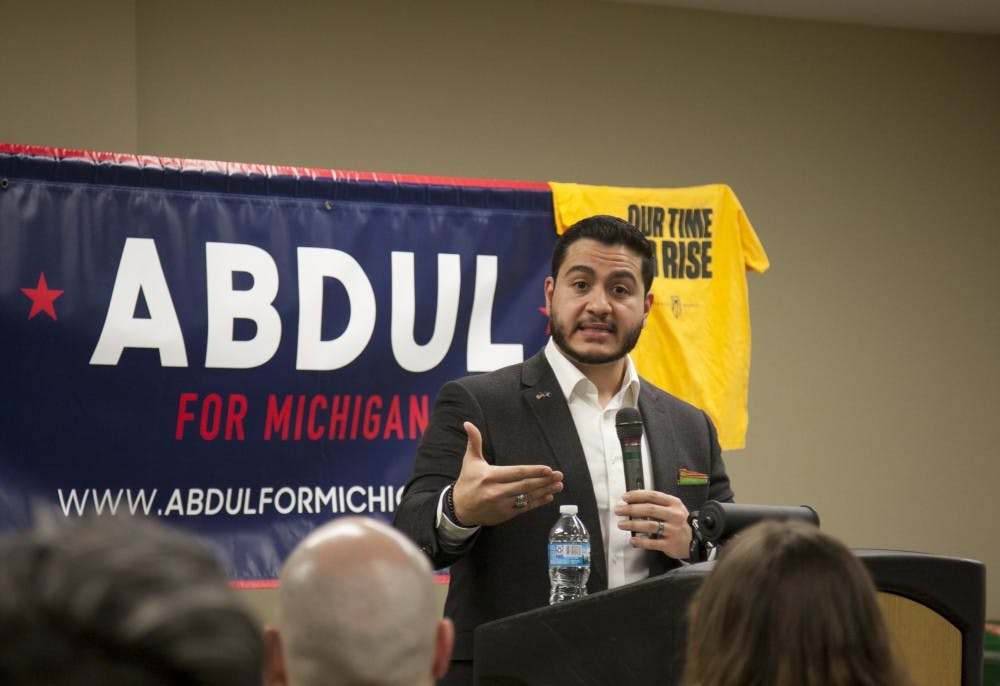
column 629, row 339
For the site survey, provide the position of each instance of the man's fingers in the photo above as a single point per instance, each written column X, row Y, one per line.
column 537, row 485
column 655, row 512
column 488, row 494
column 540, row 496
column 647, row 496
column 533, row 488
column 643, row 511
column 517, row 474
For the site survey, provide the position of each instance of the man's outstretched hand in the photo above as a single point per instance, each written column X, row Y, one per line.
column 487, row 494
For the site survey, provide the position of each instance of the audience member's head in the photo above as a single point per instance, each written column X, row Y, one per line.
column 120, row 601
column 357, row 606
column 788, row 605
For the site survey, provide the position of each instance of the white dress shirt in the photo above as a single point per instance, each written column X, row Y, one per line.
column 595, row 425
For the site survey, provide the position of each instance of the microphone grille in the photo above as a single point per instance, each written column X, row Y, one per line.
column 628, row 424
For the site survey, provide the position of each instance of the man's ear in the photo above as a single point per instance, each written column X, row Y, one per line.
column 444, row 641
column 647, row 307
column 550, row 284
column 274, row 667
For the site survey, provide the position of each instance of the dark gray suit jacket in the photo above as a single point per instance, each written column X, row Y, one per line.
column 524, row 419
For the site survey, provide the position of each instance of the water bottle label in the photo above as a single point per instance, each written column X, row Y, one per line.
column 569, row 554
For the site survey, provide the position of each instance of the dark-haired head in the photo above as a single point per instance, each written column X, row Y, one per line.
column 788, row 605
column 608, row 230
column 120, row 601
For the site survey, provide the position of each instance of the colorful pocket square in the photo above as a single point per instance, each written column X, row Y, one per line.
column 687, row 477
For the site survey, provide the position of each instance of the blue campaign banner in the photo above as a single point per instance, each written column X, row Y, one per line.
column 244, row 351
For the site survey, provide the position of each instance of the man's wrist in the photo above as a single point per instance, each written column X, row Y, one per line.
column 449, row 507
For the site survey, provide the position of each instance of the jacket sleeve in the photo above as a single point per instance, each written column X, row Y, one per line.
column 719, row 487
column 436, row 465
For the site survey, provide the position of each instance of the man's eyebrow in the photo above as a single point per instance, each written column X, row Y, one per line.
column 618, row 274
column 624, row 274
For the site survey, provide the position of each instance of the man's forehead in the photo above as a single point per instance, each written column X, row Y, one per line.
column 592, row 256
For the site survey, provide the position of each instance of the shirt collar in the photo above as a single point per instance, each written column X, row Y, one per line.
column 570, row 377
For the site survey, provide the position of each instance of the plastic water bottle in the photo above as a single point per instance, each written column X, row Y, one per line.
column 569, row 557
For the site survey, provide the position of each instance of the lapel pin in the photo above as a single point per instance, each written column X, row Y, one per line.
column 543, row 394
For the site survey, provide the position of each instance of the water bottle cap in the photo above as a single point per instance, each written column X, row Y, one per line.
column 567, row 509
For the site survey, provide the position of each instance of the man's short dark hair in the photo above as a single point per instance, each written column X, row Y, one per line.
column 609, row 231
column 120, row 601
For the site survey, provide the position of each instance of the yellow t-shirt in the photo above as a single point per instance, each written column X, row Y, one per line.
column 697, row 339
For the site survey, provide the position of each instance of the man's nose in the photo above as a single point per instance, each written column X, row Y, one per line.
column 598, row 302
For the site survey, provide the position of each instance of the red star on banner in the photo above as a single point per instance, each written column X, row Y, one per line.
column 548, row 326
column 42, row 298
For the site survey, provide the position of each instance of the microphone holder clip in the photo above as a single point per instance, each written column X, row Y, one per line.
column 701, row 550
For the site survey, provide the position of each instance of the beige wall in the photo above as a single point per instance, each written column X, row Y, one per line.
column 866, row 159
column 68, row 77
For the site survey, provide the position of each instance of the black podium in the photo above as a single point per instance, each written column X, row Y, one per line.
column 636, row 634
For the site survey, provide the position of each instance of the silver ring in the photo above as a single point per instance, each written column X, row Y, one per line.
column 520, row 501
column 659, row 531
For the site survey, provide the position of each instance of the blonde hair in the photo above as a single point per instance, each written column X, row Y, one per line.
column 788, row 605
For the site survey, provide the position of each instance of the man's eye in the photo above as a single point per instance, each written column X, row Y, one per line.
column 621, row 290
column 580, row 285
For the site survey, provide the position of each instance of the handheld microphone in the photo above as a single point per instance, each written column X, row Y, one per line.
column 628, row 424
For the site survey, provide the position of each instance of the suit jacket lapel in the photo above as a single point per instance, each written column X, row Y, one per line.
column 660, row 436
column 663, row 457
column 544, row 397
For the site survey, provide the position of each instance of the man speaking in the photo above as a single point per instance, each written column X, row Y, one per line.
column 503, row 450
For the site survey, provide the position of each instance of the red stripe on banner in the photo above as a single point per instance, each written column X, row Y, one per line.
column 254, row 584
column 229, row 168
